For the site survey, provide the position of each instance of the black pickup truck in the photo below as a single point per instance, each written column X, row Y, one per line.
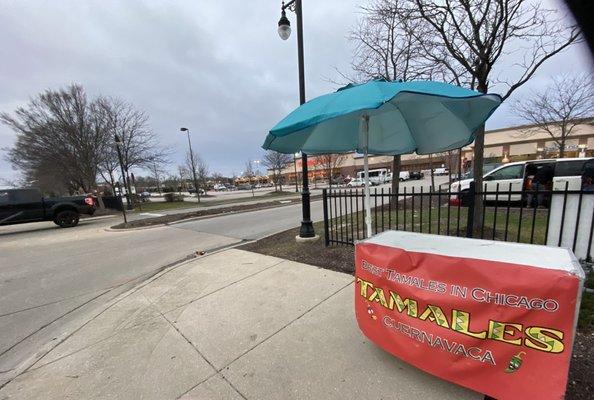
column 28, row 205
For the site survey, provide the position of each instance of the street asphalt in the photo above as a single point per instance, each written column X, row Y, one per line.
column 50, row 277
column 228, row 325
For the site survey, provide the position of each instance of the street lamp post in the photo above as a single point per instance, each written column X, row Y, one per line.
column 295, row 164
column 118, row 143
column 284, row 31
column 129, row 201
column 192, row 163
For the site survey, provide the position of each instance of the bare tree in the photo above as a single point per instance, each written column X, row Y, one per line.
column 276, row 162
column 13, row 183
column 109, row 165
column 389, row 43
column 139, row 147
column 476, row 36
column 202, row 172
column 157, row 172
column 249, row 174
column 59, row 137
column 198, row 170
column 184, row 174
column 559, row 108
column 331, row 162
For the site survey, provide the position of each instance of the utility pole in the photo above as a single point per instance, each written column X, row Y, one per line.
column 192, row 163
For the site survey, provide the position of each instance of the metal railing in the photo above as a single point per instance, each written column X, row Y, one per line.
column 563, row 218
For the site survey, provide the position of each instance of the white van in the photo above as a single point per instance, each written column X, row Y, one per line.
column 376, row 176
column 402, row 176
column 512, row 177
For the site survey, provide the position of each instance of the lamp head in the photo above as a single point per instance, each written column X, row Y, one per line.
column 183, row 129
column 284, row 26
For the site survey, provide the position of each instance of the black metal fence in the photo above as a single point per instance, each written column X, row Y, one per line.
column 550, row 217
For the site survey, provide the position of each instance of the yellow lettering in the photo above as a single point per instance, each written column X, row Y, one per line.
column 499, row 331
column 401, row 305
column 461, row 322
column 435, row 314
column 364, row 285
column 378, row 295
column 544, row 339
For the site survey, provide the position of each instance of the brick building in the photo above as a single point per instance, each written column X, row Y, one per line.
column 503, row 145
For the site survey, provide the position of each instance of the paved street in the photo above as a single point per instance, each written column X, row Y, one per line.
column 51, row 277
column 231, row 325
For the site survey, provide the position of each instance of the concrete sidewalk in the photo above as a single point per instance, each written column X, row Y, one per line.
column 231, row 325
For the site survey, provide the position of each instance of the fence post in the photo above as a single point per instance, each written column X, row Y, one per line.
column 470, row 217
column 325, row 205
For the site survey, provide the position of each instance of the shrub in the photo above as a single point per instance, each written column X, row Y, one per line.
column 173, row 197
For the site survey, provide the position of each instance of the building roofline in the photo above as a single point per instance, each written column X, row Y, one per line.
column 526, row 126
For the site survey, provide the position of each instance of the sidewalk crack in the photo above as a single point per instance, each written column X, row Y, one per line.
column 216, row 372
column 287, row 325
column 216, row 290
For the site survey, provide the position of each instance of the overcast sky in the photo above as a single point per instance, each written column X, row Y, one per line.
column 216, row 67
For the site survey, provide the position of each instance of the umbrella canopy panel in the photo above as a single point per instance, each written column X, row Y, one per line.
column 404, row 117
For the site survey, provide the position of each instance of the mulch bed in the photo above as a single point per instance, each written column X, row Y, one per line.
column 581, row 372
column 342, row 258
column 284, row 245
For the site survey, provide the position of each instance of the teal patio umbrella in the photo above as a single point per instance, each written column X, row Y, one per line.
column 381, row 117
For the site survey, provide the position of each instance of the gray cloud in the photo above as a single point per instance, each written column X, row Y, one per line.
column 218, row 68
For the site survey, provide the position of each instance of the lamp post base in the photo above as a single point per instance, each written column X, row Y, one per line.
column 300, row 239
column 307, row 230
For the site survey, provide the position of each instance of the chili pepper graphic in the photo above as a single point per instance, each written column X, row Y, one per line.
column 371, row 312
column 515, row 363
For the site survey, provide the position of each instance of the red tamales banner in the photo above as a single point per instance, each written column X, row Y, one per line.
column 499, row 328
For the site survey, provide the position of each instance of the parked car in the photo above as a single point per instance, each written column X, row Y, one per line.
column 145, row 196
column 192, row 191
column 416, row 175
column 440, row 171
column 376, row 176
column 404, row 176
column 513, row 177
column 339, row 180
column 28, row 205
column 245, row 186
column 356, row 182
column 219, row 187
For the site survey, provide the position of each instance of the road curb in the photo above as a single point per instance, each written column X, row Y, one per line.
column 111, row 229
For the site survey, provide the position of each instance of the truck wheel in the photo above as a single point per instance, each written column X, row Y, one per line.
column 66, row 219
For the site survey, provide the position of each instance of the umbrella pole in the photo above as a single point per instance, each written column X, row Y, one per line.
column 365, row 127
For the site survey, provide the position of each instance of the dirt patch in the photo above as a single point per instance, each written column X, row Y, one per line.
column 166, row 219
column 580, row 385
column 284, row 245
column 581, row 372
